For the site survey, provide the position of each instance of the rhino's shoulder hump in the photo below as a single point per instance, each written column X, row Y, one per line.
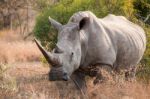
column 112, row 17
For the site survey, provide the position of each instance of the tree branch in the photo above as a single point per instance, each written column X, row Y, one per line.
column 146, row 19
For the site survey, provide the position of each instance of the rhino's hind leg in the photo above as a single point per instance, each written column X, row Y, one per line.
column 105, row 73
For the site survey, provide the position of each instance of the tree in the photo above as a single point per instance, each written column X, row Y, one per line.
column 9, row 8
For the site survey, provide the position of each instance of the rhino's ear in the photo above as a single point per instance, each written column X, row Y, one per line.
column 55, row 24
column 84, row 22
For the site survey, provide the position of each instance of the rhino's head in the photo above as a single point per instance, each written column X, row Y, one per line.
column 66, row 56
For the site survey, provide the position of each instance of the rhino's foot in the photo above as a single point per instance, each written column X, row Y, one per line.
column 93, row 72
column 105, row 74
column 130, row 75
column 99, row 80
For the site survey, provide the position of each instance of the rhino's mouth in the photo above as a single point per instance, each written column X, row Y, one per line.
column 57, row 74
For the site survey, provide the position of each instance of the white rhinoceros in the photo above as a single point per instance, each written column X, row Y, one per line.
column 87, row 41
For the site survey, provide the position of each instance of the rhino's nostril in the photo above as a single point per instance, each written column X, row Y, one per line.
column 65, row 73
column 65, row 77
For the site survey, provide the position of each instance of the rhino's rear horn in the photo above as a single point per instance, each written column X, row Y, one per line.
column 55, row 24
column 48, row 56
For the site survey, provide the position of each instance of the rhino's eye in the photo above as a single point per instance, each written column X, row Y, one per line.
column 71, row 56
column 72, row 53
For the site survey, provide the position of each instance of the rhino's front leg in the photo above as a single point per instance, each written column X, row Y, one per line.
column 104, row 74
column 79, row 80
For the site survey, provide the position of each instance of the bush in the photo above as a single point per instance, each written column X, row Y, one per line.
column 143, row 9
column 144, row 69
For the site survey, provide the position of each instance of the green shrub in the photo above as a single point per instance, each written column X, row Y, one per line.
column 142, row 10
column 144, row 69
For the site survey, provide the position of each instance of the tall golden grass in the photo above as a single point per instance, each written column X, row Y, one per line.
column 13, row 48
column 126, row 90
column 10, row 35
column 18, row 51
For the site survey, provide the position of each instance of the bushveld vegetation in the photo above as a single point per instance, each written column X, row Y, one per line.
column 137, row 11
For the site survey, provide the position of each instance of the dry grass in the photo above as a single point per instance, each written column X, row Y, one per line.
column 10, row 35
column 126, row 90
column 18, row 51
column 32, row 82
column 13, row 49
column 7, row 82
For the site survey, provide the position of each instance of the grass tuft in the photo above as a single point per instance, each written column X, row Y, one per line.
column 7, row 82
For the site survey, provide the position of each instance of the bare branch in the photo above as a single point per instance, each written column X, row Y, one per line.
column 146, row 19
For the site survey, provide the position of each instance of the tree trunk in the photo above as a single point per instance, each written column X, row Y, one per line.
column 7, row 21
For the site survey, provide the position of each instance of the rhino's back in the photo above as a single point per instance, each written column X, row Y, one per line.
column 129, row 38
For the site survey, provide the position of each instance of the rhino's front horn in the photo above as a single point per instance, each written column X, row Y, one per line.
column 56, row 24
column 48, row 56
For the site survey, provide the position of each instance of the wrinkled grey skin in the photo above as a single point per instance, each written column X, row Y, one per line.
column 87, row 40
